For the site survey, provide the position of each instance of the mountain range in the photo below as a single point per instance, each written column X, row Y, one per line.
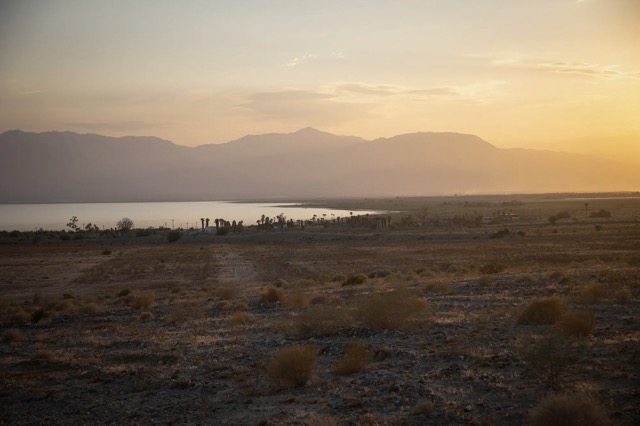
column 71, row 167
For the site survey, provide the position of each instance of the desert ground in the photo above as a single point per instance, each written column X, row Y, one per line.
column 422, row 322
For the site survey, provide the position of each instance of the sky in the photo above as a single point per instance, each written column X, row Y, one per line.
column 542, row 74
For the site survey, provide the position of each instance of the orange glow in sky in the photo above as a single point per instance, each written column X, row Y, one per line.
column 544, row 74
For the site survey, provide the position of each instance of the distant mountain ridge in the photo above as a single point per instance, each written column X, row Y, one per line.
column 72, row 167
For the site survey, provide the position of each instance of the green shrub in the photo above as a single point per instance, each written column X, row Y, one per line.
column 174, row 235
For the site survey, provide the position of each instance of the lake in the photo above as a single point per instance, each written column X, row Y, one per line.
column 30, row 217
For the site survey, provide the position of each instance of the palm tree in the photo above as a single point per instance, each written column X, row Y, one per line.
column 202, row 220
column 207, row 219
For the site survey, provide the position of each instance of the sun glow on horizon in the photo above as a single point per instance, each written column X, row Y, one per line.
column 561, row 75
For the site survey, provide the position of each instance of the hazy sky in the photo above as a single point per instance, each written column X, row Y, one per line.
column 557, row 74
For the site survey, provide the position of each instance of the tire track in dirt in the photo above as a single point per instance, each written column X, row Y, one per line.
column 233, row 267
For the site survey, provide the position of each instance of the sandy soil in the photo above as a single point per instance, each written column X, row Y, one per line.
column 149, row 332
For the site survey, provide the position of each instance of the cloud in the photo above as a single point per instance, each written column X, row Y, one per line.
column 589, row 70
column 300, row 59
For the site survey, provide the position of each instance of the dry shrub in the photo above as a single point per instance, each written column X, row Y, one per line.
column 551, row 355
column 318, row 321
column 241, row 318
column 355, row 357
column 272, row 295
column 423, row 407
column 327, row 299
column 12, row 335
column 43, row 355
column 240, row 306
column 182, row 312
column 492, row 268
column 297, row 300
column 321, row 420
column 379, row 273
column 485, row 281
column 39, row 314
column 292, row 366
column 577, row 323
column 226, row 293
column 591, row 294
column 64, row 306
column 19, row 314
column 546, row 310
column 355, row 280
column 439, row 287
column 568, row 410
column 393, row 310
column 524, row 279
column 145, row 316
column 91, row 309
column 622, row 294
column 141, row 300
column 176, row 314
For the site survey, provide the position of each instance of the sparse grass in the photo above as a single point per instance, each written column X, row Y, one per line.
column 12, row 335
column 577, row 323
column 559, row 409
column 292, row 366
column 592, row 294
column 272, row 295
column 141, row 300
column 392, row 310
column 543, row 311
column 355, row 358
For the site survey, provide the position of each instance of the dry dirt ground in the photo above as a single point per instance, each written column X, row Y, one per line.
column 100, row 332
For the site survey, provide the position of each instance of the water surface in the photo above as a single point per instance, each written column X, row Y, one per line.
column 30, row 217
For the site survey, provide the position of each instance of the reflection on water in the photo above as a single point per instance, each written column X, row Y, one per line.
column 29, row 217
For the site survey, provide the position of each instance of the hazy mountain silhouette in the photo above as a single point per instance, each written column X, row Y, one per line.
column 65, row 166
